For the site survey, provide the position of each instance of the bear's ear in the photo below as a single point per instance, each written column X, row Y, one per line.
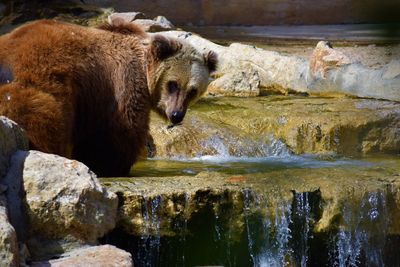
column 211, row 60
column 163, row 47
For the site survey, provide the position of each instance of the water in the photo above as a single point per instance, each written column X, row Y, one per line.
column 149, row 242
column 274, row 232
column 249, row 156
column 365, row 243
column 261, row 225
column 238, row 165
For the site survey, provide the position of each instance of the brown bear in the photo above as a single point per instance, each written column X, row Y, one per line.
column 86, row 93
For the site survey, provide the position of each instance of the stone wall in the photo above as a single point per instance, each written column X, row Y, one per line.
column 259, row 12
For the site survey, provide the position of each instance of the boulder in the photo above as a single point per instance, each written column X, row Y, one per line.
column 239, row 83
column 329, row 72
column 64, row 204
column 105, row 255
column 324, row 58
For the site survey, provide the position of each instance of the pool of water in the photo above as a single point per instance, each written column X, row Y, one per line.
column 157, row 167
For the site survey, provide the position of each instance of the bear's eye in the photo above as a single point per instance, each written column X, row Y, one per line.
column 192, row 93
column 172, row 87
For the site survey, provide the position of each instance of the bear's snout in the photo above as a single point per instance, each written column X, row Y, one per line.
column 176, row 117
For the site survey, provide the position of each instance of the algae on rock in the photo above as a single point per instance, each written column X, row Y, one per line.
column 351, row 205
column 261, row 126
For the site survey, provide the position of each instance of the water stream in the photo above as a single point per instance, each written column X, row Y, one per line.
column 276, row 217
column 275, row 231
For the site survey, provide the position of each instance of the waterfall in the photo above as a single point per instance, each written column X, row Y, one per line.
column 301, row 227
column 278, row 234
column 361, row 238
column 276, row 231
column 149, row 244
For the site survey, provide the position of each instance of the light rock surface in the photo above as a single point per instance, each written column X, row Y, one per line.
column 99, row 256
column 393, row 70
column 164, row 21
column 126, row 16
column 65, row 204
column 290, row 74
column 239, row 83
column 158, row 24
column 324, row 58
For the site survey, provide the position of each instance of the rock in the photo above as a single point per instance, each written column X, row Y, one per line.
column 393, row 70
column 162, row 206
column 9, row 254
column 324, row 58
column 126, row 16
column 149, row 25
column 65, row 204
column 198, row 136
column 334, row 72
column 151, row 210
column 105, row 255
column 12, row 138
column 275, row 125
column 240, row 83
column 164, row 21
column 159, row 23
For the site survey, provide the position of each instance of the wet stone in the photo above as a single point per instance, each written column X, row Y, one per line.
column 276, row 125
column 288, row 216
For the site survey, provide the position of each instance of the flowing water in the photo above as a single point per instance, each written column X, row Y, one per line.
column 271, row 155
column 273, row 230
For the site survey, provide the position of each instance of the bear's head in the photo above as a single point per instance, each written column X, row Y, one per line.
column 178, row 75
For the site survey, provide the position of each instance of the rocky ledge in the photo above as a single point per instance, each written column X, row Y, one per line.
column 170, row 198
column 323, row 209
column 267, row 126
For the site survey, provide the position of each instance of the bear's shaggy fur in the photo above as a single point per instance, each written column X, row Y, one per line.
column 86, row 93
